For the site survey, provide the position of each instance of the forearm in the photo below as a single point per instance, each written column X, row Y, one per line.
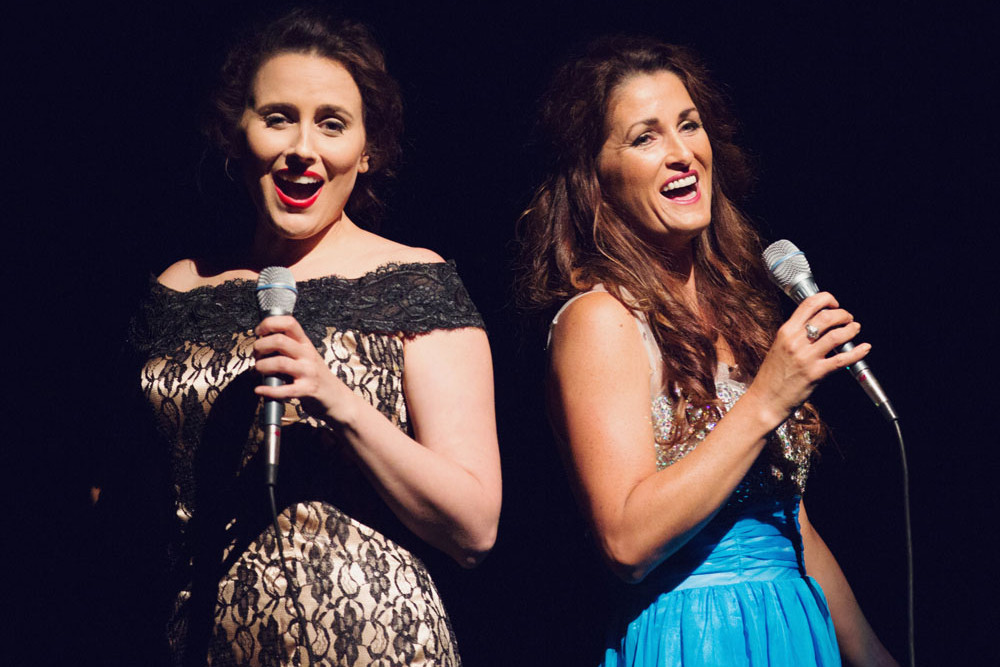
column 442, row 502
column 444, row 482
column 666, row 508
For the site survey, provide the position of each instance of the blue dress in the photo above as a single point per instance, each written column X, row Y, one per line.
column 737, row 593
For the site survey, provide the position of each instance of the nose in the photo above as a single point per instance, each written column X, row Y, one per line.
column 678, row 153
column 302, row 150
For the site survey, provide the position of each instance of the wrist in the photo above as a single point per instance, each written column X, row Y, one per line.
column 341, row 406
column 761, row 413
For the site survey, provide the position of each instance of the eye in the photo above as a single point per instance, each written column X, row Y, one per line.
column 332, row 126
column 690, row 126
column 643, row 139
column 276, row 120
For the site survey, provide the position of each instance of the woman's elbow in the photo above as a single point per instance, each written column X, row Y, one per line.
column 476, row 546
column 477, row 538
column 627, row 561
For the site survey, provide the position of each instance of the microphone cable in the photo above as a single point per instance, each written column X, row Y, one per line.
column 910, row 641
column 276, row 294
column 291, row 590
column 789, row 270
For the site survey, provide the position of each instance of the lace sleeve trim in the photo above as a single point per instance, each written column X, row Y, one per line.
column 408, row 299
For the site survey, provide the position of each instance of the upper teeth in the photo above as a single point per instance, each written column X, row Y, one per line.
column 680, row 183
column 301, row 179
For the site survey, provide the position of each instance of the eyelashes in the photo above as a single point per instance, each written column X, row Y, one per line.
column 329, row 126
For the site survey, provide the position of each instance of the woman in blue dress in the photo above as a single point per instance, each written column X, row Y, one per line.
column 678, row 394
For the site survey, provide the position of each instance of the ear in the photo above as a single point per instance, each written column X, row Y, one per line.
column 363, row 165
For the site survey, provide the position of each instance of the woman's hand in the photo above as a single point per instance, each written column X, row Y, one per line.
column 444, row 482
column 282, row 348
column 601, row 407
column 797, row 362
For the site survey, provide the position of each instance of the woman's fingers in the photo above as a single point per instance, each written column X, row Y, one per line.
column 810, row 307
column 280, row 365
column 806, row 349
column 829, row 318
column 853, row 356
column 285, row 324
column 276, row 343
column 282, row 348
column 835, row 337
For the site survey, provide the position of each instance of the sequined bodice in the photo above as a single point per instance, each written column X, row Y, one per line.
column 782, row 468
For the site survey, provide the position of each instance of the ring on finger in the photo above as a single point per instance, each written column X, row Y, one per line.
column 812, row 333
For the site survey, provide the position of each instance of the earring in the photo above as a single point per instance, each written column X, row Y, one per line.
column 225, row 168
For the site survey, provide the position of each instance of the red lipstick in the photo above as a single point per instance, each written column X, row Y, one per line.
column 291, row 201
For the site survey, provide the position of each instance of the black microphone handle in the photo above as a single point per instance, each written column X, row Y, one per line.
column 806, row 287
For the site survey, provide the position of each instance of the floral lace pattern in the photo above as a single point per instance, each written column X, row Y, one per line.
column 367, row 599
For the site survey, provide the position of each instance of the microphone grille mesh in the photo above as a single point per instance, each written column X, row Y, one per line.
column 276, row 290
column 785, row 262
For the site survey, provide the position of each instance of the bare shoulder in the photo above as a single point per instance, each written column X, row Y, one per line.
column 596, row 337
column 181, row 276
column 397, row 253
column 378, row 251
column 410, row 255
column 596, row 315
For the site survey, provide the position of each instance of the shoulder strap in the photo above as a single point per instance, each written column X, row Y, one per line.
column 653, row 354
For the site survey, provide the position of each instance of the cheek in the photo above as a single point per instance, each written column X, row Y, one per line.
column 345, row 158
column 258, row 148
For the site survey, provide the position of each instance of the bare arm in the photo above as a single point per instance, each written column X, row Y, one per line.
column 444, row 483
column 601, row 406
column 858, row 644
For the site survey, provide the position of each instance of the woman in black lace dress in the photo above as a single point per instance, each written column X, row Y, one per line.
column 388, row 437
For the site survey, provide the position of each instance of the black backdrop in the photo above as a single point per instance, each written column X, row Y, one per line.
column 874, row 133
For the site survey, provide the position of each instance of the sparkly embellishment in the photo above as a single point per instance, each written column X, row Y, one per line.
column 784, row 462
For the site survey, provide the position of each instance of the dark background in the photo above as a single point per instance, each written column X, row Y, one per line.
column 874, row 132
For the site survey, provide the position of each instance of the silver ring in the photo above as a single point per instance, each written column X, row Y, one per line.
column 812, row 333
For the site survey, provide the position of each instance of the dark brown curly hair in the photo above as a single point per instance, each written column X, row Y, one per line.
column 347, row 42
column 573, row 237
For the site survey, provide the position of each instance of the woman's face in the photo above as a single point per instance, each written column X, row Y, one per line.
column 656, row 161
column 305, row 142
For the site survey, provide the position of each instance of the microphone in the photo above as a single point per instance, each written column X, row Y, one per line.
column 790, row 271
column 276, row 296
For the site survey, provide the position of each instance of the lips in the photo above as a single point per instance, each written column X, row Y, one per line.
column 297, row 190
column 682, row 189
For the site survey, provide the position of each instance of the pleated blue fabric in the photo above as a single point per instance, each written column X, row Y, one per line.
column 735, row 595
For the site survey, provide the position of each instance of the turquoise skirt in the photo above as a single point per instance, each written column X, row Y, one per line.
column 736, row 594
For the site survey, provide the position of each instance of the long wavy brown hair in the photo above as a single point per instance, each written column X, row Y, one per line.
column 573, row 237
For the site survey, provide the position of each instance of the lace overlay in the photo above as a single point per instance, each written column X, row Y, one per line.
column 368, row 600
column 783, row 466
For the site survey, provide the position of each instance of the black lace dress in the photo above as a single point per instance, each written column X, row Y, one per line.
column 367, row 599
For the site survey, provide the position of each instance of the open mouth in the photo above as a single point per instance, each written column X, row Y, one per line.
column 682, row 189
column 298, row 190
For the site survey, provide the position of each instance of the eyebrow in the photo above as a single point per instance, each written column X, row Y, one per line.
column 321, row 110
column 653, row 121
column 334, row 109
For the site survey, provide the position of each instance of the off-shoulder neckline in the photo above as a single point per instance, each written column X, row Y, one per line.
column 381, row 269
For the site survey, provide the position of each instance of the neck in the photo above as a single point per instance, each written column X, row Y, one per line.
column 271, row 249
column 679, row 262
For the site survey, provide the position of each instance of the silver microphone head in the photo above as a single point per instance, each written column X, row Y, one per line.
column 276, row 291
column 786, row 264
